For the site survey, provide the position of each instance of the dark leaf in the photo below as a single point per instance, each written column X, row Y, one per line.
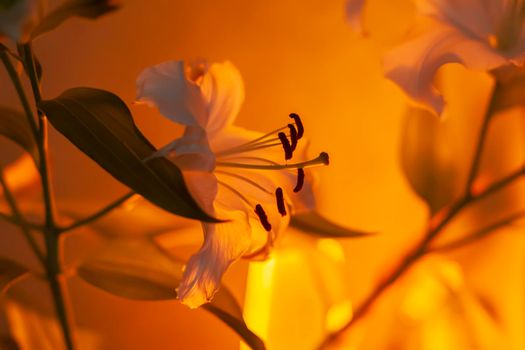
column 15, row 127
column 427, row 159
column 91, row 9
column 313, row 223
column 136, row 269
column 101, row 126
column 10, row 271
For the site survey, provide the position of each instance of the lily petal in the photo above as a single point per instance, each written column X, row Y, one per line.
column 191, row 152
column 17, row 19
column 414, row 64
column 223, row 90
column 166, row 87
column 223, row 244
column 354, row 14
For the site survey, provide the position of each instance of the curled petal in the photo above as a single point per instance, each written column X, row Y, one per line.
column 354, row 14
column 414, row 64
column 166, row 87
column 17, row 18
column 223, row 244
column 191, row 152
column 223, row 90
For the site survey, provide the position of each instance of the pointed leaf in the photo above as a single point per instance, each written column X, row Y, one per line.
column 136, row 269
column 427, row 159
column 315, row 224
column 100, row 125
column 225, row 306
column 90, row 9
column 15, row 127
column 10, row 271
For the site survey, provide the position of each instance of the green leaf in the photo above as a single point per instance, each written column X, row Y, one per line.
column 15, row 127
column 101, row 126
column 136, row 269
column 315, row 224
column 90, row 9
column 10, row 271
column 427, row 159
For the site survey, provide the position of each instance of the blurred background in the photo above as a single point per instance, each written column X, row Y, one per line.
column 295, row 56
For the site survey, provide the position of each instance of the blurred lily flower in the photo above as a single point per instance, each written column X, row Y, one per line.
column 479, row 34
column 17, row 17
column 241, row 176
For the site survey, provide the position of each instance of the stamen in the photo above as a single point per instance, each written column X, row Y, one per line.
column 280, row 201
column 237, row 148
column 263, row 218
column 245, row 179
column 293, row 136
column 299, row 124
column 239, row 194
column 322, row 159
column 300, row 180
column 288, row 154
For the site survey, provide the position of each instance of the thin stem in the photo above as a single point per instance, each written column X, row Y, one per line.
column 97, row 215
column 57, row 283
column 42, row 143
column 422, row 248
column 18, row 218
column 322, row 159
column 52, row 237
column 477, row 235
column 13, row 75
column 485, row 124
column 13, row 220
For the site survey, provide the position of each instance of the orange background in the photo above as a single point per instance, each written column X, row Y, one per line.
column 295, row 56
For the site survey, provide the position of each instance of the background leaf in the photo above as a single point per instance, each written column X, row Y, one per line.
column 10, row 271
column 14, row 126
column 91, row 9
column 314, row 223
column 427, row 159
column 101, row 126
column 137, row 269
column 509, row 90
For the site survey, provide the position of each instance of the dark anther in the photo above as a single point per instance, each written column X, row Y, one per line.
column 288, row 153
column 293, row 136
column 299, row 124
column 262, row 217
column 280, row 201
column 300, row 180
column 325, row 158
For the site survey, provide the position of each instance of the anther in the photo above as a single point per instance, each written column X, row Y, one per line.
column 280, row 201
column 300, row 180
column 325, row 158
column 293, row 136
column 299, row 124
column 288, row 153
column 263, row 218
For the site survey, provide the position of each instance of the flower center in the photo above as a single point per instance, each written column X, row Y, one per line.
column 244, row 156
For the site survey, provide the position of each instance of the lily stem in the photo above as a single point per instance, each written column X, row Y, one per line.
column 53, row 241
column 434, row 227
column 97, row 215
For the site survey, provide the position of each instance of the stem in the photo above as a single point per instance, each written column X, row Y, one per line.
column 57, row 283
column 477, row 235
column 476, row 161
column 13, row 75
column 27, row 55
column 52, row 237
column 97, row 215
column 18, row 218
column 423, row 247
column 12, row 219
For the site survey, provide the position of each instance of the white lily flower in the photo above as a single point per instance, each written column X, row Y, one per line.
column 235, row 174
column 17, row 17
column 479, row 34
